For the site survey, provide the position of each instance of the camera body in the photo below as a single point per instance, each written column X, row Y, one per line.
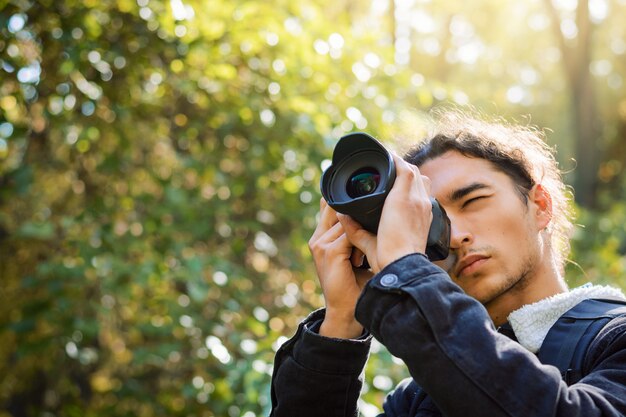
column 358, row 181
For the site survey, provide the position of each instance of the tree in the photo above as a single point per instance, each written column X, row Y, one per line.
column 575, row 42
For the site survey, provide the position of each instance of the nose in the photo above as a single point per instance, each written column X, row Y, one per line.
column 459, row 235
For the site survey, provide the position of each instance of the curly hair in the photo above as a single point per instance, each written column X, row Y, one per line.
column 518, row 151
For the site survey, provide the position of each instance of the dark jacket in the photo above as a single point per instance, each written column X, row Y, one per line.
column 453, row 353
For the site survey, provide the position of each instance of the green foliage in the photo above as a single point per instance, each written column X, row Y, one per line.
column 160, row 184
column 599, row 247
column 159, row 171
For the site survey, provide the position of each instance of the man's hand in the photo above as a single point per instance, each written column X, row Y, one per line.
column 339, row 242
column 404, row 223
column 335, row 260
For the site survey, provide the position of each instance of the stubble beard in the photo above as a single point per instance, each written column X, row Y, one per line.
column 514, row 283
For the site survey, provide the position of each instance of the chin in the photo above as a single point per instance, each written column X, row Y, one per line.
column 487, row 289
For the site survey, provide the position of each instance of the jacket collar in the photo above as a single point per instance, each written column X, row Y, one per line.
column 532, row 322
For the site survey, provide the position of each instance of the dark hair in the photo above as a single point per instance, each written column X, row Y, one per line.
column 518, row 151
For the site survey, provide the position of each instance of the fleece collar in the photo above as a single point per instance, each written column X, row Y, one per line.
column 532, row 322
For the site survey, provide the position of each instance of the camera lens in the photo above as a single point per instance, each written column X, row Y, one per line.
column 363, row 182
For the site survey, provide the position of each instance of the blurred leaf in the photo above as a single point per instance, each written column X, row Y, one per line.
column 32, row 230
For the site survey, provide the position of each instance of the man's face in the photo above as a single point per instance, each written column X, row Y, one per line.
column 496, row 250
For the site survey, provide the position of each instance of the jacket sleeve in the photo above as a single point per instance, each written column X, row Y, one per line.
column 454, row 353
column 318, row 376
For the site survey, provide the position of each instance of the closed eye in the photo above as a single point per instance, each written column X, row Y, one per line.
column 472, row 200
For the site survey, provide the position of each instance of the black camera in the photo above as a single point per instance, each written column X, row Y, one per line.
column 358, row 182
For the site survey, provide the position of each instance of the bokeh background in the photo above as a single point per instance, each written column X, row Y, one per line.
column 160, row 161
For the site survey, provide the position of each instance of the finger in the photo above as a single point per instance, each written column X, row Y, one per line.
column 427, row 183
column 334, row 232
column 357, row 235
column 408, row 177
column 328, row 215
column 356, row 258
column 322, row 238
column 341, row 247
column 350, row 225
column 404, row 171
column 327, row 219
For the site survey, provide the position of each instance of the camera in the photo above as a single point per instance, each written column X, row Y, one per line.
column 358, row 181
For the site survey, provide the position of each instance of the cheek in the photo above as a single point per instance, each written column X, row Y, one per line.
column 502, row 226
column 516, row 232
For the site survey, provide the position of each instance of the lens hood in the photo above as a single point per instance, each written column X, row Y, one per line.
column 353, row 153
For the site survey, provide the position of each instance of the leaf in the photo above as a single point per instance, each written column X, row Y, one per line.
column 33, row 230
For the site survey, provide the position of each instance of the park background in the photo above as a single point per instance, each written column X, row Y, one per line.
column 160, row 162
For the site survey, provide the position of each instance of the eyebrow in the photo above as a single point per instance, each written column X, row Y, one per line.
column 459, row 193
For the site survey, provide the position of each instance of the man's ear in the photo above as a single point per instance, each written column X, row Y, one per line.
column 541, row 202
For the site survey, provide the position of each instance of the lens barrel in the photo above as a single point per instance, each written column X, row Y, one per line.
column 358, row 181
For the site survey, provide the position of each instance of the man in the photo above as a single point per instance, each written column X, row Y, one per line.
column 502, row 191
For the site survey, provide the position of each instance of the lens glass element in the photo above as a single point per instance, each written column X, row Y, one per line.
column 363, row 182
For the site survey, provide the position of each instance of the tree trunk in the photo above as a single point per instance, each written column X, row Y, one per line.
column 587, row 130
column 587, row 142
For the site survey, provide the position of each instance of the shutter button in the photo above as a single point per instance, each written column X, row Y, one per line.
column 389, row 280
